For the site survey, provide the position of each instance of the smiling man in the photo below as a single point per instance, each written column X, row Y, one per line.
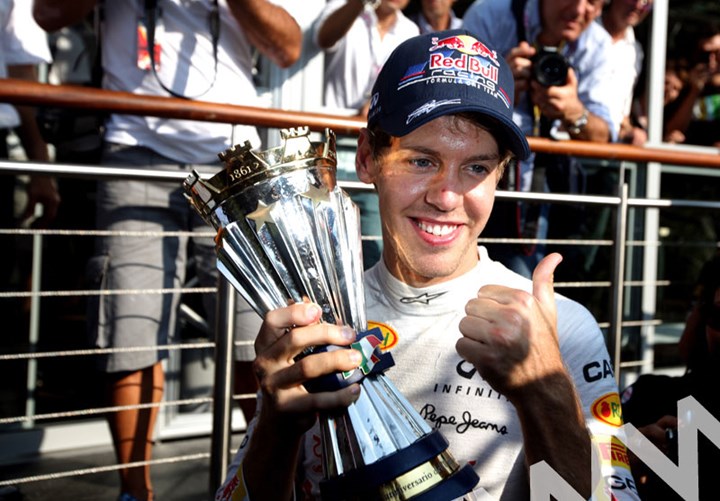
column 438, row 185
column 495, row 361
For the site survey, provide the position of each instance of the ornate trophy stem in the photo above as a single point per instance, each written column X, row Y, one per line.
column 286, row 233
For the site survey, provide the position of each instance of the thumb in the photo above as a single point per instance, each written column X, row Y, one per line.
column 526, row 49
column 572, row 78
column 542, row 279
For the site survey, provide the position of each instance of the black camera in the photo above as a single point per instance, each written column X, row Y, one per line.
column 550, row 67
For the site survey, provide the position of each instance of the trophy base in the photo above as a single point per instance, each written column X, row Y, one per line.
column 423, row 471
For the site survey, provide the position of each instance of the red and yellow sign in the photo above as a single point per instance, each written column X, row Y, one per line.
column 612, row 451
column 390, row 337
column 608, row 410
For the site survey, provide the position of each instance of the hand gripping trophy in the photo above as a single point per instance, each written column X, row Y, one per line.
column 288, row 233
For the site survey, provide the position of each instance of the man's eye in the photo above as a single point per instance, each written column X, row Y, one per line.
column 479, row 169
column 421, row 162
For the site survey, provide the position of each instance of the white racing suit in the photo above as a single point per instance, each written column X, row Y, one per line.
column 481, row 425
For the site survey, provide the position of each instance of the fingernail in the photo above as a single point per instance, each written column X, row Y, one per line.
column 347, row 333
column 355, row 389
column 355, row 357
column 313, row 311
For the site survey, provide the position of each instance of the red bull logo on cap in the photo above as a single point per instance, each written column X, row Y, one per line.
column 466, row 63
column 474, row 59
column 467, row 45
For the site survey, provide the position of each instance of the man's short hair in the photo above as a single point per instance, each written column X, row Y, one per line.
column 381, row 140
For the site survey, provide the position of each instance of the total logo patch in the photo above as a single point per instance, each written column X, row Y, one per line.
column 608, row 410
column 390, row 337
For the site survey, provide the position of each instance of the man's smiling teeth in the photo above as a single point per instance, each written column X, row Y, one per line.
column 438, row 230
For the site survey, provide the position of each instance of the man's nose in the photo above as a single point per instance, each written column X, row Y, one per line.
column 445, row 191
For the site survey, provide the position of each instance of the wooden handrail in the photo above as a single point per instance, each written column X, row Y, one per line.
column 72, row 96
column 89, row 98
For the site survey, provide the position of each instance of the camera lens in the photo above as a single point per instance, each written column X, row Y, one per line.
column 550, row 68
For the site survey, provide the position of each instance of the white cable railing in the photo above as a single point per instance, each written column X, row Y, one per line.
column 110, row 172
column 616, row 321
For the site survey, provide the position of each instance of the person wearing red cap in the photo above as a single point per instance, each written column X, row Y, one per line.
column 505, row 368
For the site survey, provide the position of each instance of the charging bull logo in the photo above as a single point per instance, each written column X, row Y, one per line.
column 464, row 54
column 467, row 45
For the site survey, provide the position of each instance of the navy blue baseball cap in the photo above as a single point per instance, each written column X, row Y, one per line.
column 442, row 73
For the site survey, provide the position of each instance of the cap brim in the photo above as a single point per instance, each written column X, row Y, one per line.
column 515, row 138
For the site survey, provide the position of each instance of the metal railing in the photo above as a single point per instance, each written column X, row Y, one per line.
column 621, row 202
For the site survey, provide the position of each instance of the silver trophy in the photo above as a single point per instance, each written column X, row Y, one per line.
column 288, row 233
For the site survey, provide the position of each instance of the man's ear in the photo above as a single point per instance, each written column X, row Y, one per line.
column 364, row 159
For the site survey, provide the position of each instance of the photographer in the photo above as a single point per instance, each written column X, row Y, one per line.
column 576, row 107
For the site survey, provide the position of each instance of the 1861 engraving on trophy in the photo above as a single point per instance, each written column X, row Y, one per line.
column 287, row 233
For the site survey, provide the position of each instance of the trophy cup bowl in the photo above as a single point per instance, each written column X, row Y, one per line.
column 288, row 233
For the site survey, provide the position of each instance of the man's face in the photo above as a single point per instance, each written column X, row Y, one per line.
column 565, row 20
column 436, row 187
column 436, row 8
column 673, row 86
column 630, row 12
column 593, row 11
column 394, row 4
column 710, row 47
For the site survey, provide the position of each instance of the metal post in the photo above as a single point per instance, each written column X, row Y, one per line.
column 222, row 394
column 653, row 176
column 34, row 333
column 618, row 279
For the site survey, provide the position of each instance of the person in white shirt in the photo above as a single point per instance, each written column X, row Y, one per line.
column 619, row 18
column 24, row 46
column 203, row 49
column 357, row 36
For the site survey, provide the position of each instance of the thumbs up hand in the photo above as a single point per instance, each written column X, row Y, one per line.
column 510, row 335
